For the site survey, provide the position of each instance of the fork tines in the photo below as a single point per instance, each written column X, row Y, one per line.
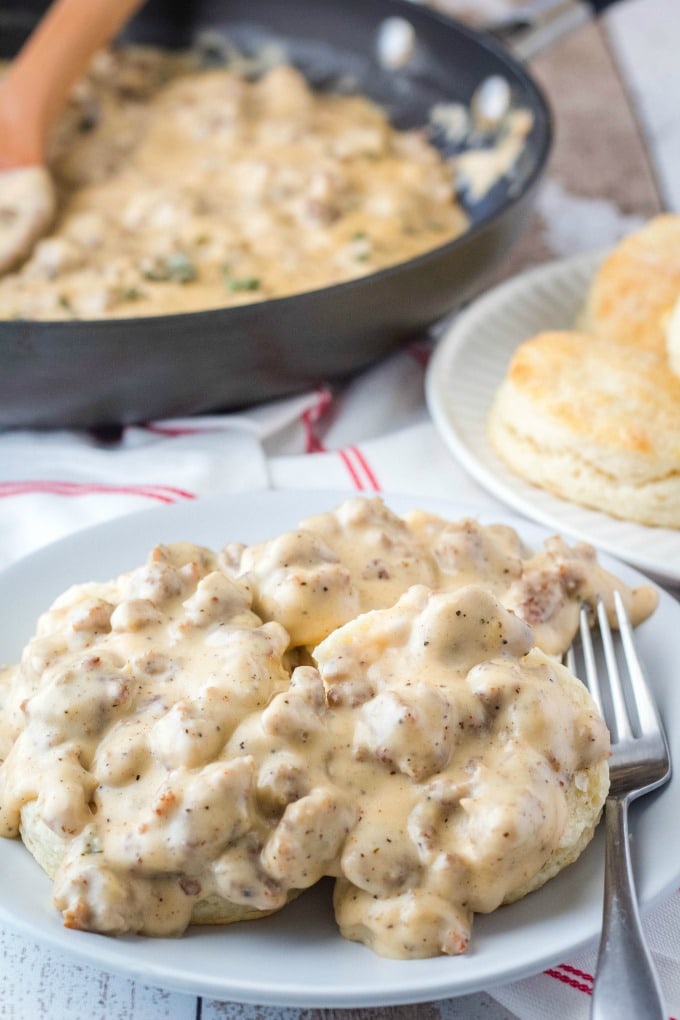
column 613, row 673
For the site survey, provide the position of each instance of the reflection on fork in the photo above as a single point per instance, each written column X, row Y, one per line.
column 626, row 984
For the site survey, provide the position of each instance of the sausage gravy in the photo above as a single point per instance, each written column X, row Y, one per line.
column 183, row 187
column 368, row 697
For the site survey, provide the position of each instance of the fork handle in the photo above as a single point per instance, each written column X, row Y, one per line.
column 626, row 983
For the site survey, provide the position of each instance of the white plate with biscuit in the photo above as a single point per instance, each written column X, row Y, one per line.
column 469, row 364
column 297, row 958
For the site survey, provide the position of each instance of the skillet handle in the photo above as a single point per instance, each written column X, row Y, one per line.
column 537, row 25
column 601, row 5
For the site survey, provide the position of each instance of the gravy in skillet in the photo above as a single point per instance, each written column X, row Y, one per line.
column 184, row 187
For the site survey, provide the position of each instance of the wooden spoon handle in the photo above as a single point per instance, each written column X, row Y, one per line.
column 38, row 82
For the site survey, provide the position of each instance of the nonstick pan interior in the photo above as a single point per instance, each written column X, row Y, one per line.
column 97, row 373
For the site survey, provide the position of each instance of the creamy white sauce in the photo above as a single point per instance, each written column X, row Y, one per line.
column 209, row 734
column 183, row 188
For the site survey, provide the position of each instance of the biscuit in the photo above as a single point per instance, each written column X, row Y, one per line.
column 436, row 759
column 493, row 761
column 634, row 290
column 48, row 849
column 585, row 798
column 594, row 422
column 673, row 338
column 170, row 759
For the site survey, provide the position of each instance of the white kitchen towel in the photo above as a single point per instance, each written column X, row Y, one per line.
column 54, row 483
column 565, row 990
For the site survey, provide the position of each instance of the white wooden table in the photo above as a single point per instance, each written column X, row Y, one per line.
column 614, row 90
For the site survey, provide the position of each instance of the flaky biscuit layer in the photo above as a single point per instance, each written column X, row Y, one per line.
column 595, row 422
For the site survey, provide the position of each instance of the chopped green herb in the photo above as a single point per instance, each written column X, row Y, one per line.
column 360, row 246
column 236, row 284
column 131, row 294
column 181, row 268
column 177, row 266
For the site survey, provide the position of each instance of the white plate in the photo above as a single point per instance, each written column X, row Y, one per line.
column 296, row 958
column 469, row 364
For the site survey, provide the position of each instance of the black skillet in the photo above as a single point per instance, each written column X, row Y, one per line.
column 94, row 373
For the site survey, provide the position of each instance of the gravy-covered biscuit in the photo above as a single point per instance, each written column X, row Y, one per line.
column 594, row 422
column 478, row 767
column 169, row 757
column 115, row 779
column 362, row 556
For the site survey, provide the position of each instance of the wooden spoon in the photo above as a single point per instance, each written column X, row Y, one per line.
column 32, row 95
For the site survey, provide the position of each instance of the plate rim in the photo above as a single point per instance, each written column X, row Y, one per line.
column 91, row 949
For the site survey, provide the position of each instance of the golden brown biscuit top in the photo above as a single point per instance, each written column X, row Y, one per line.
column 637, row 285
column 617, row 396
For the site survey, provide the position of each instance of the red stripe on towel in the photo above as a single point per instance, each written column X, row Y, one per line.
column 55, row 487
column 310, row 417
column 585, row 984
column 584, row 975
column 359, row 469
column 420, row 351
column 347, row 461
column 578, row 985
column 373, row 482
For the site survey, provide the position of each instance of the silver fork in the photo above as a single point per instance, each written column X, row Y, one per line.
column 626, row 983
